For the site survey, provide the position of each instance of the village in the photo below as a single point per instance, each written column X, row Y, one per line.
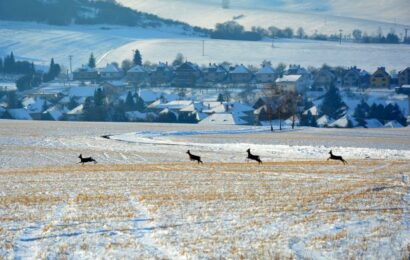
column 221, row 94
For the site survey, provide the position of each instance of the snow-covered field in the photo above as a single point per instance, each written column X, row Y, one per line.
column 40, row 43
column 305, row 53
column 325, row 16
column 144, row 199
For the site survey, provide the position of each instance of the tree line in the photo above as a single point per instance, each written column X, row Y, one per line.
column 232, row 30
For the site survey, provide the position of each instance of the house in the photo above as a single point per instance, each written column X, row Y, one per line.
column 17, row 114
column 364, row 80
column 323, row 121
column 404, row 77
column 111, row 72
column 380, row 79
column 344, row 122
column 351, row 78
column 323, row 79
column 161, row 75
column 35, row 106
column 294, row 69
column 75, row 114
column 215, row 73
column 137, row 75
column 85, row 73
column 266, row 74
column 294, row 83
column 6, row 86
column 240, row 74
column 187, row 75
column 54, row 113
column 223, row 119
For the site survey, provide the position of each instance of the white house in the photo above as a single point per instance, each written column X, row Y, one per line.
column 295, row 83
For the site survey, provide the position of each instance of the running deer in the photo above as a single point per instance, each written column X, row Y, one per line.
column 253, row 157
column 336, row 157
column 86, row 160
column 194, row 157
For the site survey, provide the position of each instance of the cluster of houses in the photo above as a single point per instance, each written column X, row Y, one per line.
column 64, row 99
column 295, row 78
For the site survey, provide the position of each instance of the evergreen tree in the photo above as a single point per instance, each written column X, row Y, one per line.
column 9, row 63
column 129, row 102
column 1, row 65
column 308, row 120
column 220, row 98
column 137, row 58
column 361, row 112
column 139, row 103
column 88, row 109
column 53, row 71
column 91, row 61
column 332, row 105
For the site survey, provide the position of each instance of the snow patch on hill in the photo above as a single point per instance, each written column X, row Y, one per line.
column 325, row 16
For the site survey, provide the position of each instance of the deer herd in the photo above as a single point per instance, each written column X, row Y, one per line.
column 196, row 158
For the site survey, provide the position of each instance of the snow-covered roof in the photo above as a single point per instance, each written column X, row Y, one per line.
column 138, row 69
column 148, row 95
column 313, row 110
column 86, row 68
column 56, row 112
column 7, row 86
column 194, row 107
column 117, row 83
column 240, row 107
column 223, row 119
column 240, row 69
column 266, row 70
column 220, row 108
column 373, row 123
column 343, row 122
column 323, row 121
column 78, row 110
column 85, row 91
column 19, row 114
column 393, row 124
column 110, row 68
column 288, row 78
column 34, row 105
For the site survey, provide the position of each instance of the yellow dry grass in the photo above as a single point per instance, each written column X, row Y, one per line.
column 216, row 196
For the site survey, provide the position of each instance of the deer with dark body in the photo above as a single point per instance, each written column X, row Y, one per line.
column 336, row 157
column 253, row 157
column 194, row 157
column 86, row 159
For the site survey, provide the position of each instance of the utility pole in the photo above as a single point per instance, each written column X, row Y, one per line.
column 203, row 47
column 341, row 31
column 71, row 63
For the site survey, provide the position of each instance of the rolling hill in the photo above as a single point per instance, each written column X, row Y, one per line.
column 324, row 16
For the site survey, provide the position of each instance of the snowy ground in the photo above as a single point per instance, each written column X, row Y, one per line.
column 325, row 16
column 40, row 42
column 144, row 199
column 303, row 52
column 117, row 43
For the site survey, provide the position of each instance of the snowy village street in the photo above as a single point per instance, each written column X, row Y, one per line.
column 144, row 198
